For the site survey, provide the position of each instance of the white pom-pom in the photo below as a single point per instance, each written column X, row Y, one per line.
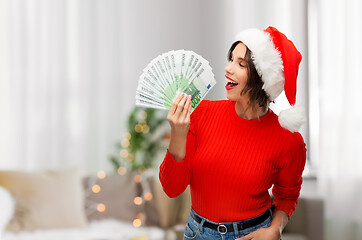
column 7, row 207
column 292, row 118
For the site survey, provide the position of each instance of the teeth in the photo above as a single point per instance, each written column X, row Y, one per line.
column 230, row 81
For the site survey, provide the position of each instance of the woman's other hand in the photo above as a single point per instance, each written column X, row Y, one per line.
column 179, row 120
column 263, row 234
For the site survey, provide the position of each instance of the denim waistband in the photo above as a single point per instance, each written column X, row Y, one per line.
column 229, row 226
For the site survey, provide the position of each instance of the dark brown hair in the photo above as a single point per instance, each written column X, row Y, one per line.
column 254, row 84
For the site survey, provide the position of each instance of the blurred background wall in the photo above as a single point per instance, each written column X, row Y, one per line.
column 69, row 71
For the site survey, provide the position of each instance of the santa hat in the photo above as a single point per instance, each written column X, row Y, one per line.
column 276, row 60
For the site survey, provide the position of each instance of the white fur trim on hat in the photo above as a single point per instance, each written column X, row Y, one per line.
column 267, row 60
column 292, row 118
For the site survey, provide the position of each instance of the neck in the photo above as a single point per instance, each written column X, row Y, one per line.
column 247, row 112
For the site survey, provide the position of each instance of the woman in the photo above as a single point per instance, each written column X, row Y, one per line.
column 231, row 152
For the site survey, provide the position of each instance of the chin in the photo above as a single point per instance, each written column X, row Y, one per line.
column 231, row 97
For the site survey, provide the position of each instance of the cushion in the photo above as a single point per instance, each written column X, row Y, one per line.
column 117, row 193
column 6, row 208
column 47, row 199
column 171, row 211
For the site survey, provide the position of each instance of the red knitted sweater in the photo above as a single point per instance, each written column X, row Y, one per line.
column 231, row 163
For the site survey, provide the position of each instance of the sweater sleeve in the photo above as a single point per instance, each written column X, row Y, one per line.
column 287, row 187
column 176, row 176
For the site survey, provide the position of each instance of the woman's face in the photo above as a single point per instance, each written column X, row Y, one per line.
column 236, row 74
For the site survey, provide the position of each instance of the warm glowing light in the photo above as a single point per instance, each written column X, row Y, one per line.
column 125, row 143
column 148, row 196
column 141, row 216
column 137, row 222
column 138, row 128
column 146, row 129
column 122, row 170
column 142, row 169
column 127, row 135
column 129, row 157
column 138, row 200
column 101, row 207
column 124, row 153
column 96, row 188
column 101, row 175
column 137, row 178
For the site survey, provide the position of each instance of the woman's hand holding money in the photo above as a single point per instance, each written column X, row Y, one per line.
column 179, row 120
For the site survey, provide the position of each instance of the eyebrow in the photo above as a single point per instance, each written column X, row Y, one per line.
column 239, row 58
column 243, row 59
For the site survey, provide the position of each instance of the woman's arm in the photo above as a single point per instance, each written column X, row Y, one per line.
column 286, row 191
column 179, row 120
column 175, row 173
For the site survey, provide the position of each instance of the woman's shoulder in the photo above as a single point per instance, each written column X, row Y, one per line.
column 285, row 136
column 291, row 140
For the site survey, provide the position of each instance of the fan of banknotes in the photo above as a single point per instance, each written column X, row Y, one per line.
column 172, row 73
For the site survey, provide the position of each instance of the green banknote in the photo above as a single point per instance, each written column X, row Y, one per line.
column 171, row 73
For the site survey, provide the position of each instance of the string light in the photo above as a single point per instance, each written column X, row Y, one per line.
column 125, row 143
column 124, row 153
column 101, row 207
column 138, row 128
column 148, row 196
column 101, row 175
column 137, row 222
column 138, row 200
column 137, row 178
column 142, row 169
column 122, row 170
column 127, row 135
column 129, row 157
column 96, row 188
column 146, row 129
column 141, row 216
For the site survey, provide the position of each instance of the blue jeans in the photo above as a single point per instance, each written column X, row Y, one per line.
column 195, row 230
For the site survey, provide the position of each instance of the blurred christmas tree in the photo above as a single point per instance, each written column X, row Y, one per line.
column 146, row 136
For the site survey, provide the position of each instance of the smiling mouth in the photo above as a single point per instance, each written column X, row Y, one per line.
column 230, row 83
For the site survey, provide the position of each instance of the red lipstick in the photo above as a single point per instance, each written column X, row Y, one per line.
column 227, row 87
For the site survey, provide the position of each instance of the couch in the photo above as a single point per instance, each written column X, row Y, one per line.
column 63, row 204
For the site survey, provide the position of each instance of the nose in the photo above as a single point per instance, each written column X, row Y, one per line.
column 228, row 68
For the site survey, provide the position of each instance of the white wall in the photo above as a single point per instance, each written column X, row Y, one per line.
column 78, row 63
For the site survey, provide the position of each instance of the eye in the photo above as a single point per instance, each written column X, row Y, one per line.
column 241, row 65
